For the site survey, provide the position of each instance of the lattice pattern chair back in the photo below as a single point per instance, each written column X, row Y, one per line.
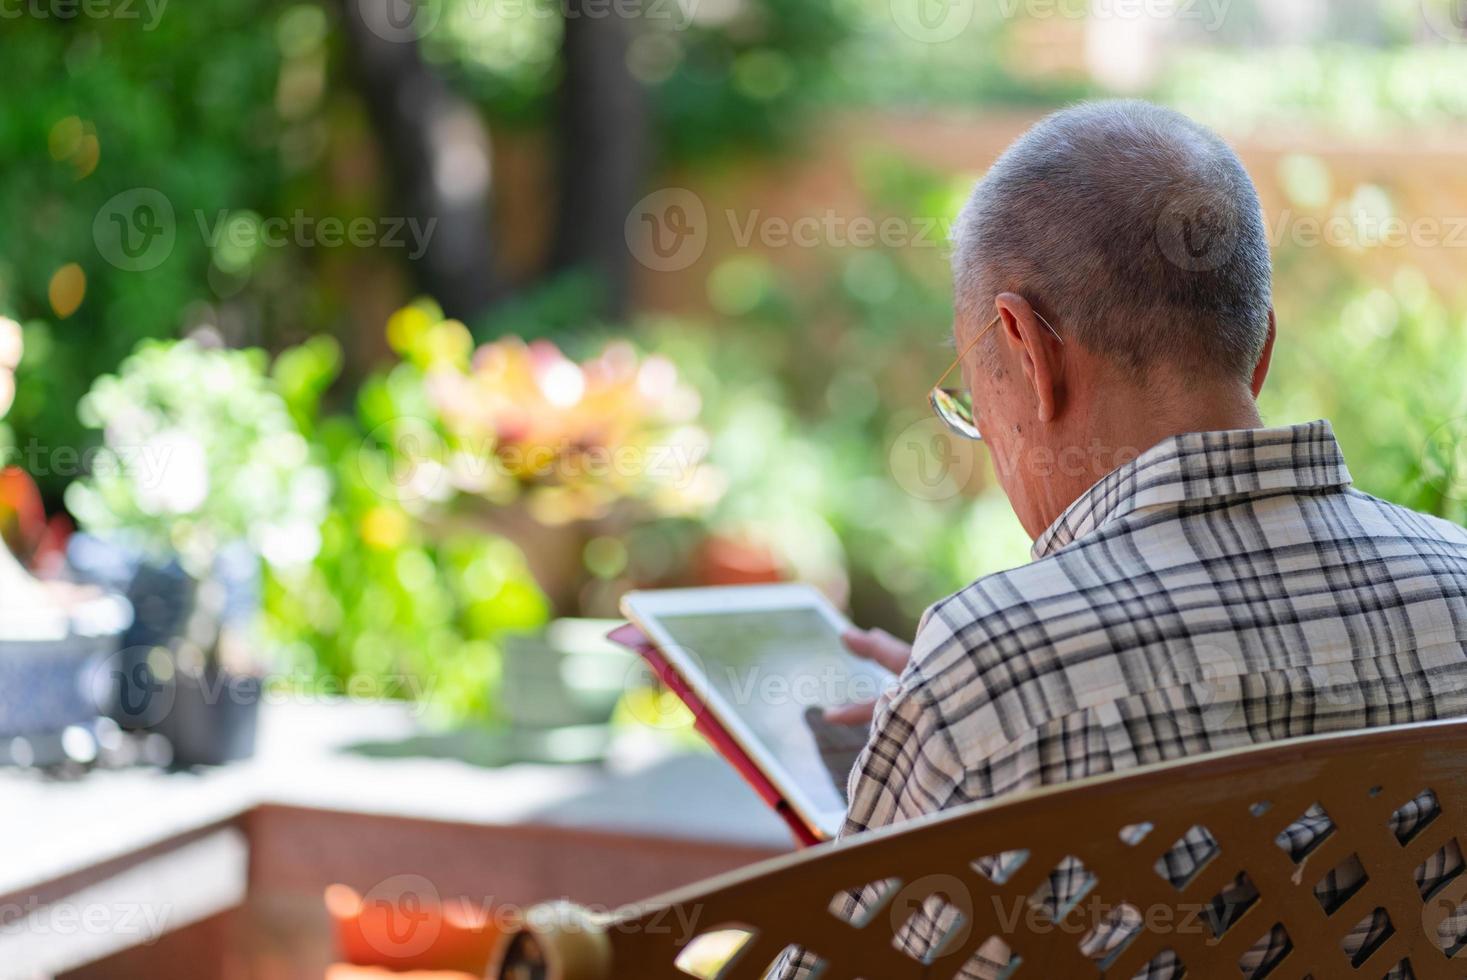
column 1368, row 888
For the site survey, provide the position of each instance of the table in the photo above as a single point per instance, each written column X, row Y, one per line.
column 117, row 858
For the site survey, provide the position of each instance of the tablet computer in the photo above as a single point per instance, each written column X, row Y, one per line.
column 757, row 665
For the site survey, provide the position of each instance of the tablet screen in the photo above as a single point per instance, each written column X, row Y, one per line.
column 768, row 667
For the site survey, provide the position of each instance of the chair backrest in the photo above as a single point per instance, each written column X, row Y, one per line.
column 1112, row 828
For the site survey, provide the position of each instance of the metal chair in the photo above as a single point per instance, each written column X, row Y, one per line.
column 1117, row 827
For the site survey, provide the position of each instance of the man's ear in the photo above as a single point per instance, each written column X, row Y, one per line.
column 1038, row 350
column 1260, row 370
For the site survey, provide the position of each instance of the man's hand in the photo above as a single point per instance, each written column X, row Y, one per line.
column 880, row 647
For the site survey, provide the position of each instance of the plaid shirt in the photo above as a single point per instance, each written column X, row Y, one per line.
column 1223, row 589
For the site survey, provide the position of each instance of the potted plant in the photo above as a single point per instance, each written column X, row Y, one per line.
column 49, row 631
column 567, row 459
column 202, row 473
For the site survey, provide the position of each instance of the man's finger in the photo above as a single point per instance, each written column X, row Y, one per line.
column 851, row 714
column 878, row 646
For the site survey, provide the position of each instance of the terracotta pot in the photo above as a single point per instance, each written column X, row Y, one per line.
column 724, row 560
column 410, row 930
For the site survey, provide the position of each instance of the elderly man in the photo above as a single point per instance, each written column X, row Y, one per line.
column 1200, row 581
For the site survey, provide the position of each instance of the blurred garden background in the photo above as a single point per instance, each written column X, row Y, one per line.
column 434, row 322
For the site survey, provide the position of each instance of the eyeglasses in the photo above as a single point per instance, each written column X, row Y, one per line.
column 955, row 405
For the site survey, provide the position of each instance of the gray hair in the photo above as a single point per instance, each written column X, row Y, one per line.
column 1134, row 229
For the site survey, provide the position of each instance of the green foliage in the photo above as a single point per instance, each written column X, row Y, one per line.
column 1347, row 88
column 974, row 57
column 393, row 605
column 742, row 85
column 816, row 398
column 198, row 452
column 182, row 105
column 812, row 379
column 735, row 84
column 1386, row 367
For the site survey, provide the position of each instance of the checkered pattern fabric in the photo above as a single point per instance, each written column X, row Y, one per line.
column 1224, row 589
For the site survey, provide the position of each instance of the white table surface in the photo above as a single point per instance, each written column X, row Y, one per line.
column 49, row 829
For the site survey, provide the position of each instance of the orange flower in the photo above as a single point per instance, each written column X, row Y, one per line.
column 523, row 418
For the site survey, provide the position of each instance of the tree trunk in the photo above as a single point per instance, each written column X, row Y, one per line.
column 602, row 139
column 438, row 151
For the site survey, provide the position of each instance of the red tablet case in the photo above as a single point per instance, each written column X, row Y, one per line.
column 712, row 729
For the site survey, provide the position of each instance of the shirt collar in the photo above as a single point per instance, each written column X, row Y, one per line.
column 1202, row 465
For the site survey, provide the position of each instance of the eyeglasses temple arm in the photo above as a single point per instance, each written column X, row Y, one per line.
column 979, row 336
column 964, row 352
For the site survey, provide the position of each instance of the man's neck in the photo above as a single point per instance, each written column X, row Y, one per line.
column 1118, row 433
column 1138, row 418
